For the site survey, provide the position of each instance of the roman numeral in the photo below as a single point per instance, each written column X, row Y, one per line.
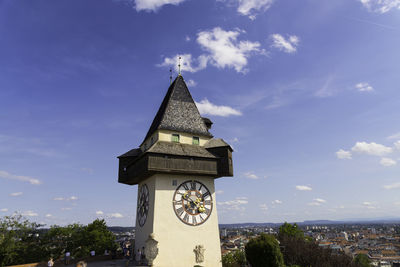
column 207, row 202
column 194, row 220
column 185, row 186
column 192, row 185
column 201, row 186
column 206, row 194
column 207, row 211
column 179, row 211
column 186, row 218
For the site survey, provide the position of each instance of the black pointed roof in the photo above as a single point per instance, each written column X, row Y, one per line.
column 178, row 112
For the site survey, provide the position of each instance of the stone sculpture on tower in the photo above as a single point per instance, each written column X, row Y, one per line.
column 174, row 168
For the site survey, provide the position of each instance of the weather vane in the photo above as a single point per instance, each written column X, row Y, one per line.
column 179, row 65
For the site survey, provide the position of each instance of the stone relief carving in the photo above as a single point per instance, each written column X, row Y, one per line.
column 151, row 249
column 199, row 252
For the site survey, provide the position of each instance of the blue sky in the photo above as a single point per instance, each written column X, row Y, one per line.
column 307, row 92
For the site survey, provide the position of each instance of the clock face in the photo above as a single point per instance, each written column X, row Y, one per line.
column 192, row 202
column 143, row 205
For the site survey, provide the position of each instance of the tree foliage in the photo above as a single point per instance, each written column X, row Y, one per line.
column 291, row 230
column 234, row 259
column 362, row 260
column 298, row 251
column 22, row 241
column 264, row 251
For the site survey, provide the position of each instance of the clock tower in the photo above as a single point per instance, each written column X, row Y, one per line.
column 174, row 168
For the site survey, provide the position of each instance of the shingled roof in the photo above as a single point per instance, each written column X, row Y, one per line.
column 178, row 112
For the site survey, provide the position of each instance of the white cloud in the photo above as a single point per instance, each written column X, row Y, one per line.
column 380, row 6
column 207, row 108
column 320, row 200
column 191, row 83
column 29, row 213
column 263, row 207
column 235, row 204
column 394, row 136
column 224, row 50
column 303, row 188
column 186, row 61
column 48, row 215
column 397, row 145
column 276, row 201
column 99, row 212
column 368, row 205
column 116, row 215
column 392, row 186
column 4, row 210
column 371, row 149
column 72, row 198
column 343, row 154
column 154, row 5
column 387, row 162
column 31, row 180
column 288, row 45
column 252, row 7
column 219, row 192
column 187, row 38
column 250, row 175
column 364, row 87
column 314, row 204
column 16, row 194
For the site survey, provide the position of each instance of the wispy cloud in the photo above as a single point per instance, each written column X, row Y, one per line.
column 250, row 175
column 251, row 8
column 277, row 201
column 394, row 136
column 343, row 154
column 263, row 207
column 368, row 205
column 207, row 108
column 99, row 212
column 153, row 5
column 9, row 176
column 287, row 45
column 219, row 192
column 72, row 198
column 4, row 210
column 236, row 204
column 116, row 215
column 387, row 162
column 364, row 87
column 380, row 6
column 392, row 186
column 48, row 215
column 16, row 194
column 186, row 62
column 29, row 213
column 303, row 188
column 191, row 83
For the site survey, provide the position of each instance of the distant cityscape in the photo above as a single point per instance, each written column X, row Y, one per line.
column 378, row 240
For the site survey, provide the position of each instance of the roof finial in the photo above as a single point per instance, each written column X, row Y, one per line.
column 179, row 65
column 170, row 76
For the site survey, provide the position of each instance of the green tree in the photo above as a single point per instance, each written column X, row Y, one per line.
column 264, row 251
column 20, row 241
column 362, row 260
column 290, row 230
